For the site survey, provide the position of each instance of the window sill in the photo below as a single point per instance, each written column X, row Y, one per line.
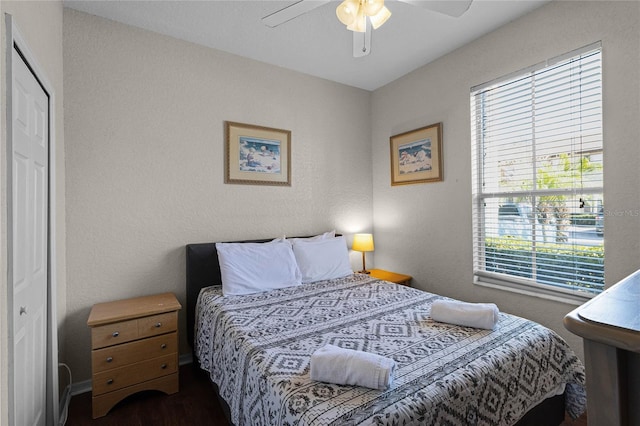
column 544, row 292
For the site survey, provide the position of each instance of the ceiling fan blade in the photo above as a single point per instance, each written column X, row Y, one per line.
column 362, row 42
column 453, row 8
column 292, row 11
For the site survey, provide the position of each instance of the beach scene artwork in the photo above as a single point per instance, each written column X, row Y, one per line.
column 259, row 155
column 415, row 157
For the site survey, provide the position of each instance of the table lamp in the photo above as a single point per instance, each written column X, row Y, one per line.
column 363, row 243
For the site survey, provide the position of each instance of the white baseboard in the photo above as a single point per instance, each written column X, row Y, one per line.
column 86, row 386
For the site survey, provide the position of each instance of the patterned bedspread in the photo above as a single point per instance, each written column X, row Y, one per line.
column 257, row 349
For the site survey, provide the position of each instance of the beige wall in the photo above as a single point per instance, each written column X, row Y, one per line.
column 144, row 137
column 425, row 230
column 40, row 23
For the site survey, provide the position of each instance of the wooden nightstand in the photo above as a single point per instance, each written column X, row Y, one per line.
column 394, row 277
column 134, row 346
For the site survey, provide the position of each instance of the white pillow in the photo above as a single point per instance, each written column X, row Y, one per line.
column 247, row 268
column 323, row 236
column 328, row 234
column 323, row 259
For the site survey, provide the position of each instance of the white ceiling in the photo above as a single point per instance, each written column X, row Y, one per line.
column 315, row 43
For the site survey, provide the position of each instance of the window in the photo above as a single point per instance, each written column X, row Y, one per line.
column 537, row 178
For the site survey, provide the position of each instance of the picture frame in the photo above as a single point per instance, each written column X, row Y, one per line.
column 416, row 156
column 257, row 155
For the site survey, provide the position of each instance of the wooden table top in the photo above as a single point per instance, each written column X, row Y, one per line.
column 612, row 317
column 119, row 310
column 618, row 306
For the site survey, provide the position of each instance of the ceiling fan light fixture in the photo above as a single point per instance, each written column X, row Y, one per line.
column 372, row 7
column 359, row 25
column 380, row 18
column 347, row 11
column 354, row 14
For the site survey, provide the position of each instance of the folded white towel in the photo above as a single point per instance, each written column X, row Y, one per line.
column 333, row 364
column 479, row 315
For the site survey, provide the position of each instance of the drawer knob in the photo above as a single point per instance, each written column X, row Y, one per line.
column 158, row 324
column 109, row 359
column 163, row 346
column 163, row 366
column 110, row 381
column 116, row 334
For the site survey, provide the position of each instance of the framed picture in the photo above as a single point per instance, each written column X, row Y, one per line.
column 257, row 155
column 416, row 156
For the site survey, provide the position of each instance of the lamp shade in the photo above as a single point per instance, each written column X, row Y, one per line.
column 359, row 24
column 372, row 7
column 348, row 11
column 354, row 14
column 380, row 18
column 362, row 242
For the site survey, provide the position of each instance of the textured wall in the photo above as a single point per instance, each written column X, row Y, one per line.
column 40, row 24
column 425, row 230
column 144, row 128
column 144, row 122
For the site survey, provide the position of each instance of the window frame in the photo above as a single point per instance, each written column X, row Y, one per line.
column 571, row 294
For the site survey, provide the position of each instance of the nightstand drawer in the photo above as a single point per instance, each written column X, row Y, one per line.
column 134, row 348
column 133, row 352
column 119, row 378
column 114, row 334
column 157, row 324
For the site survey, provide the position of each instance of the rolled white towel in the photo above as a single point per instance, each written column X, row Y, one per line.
column 333, row 364
column 479, row 315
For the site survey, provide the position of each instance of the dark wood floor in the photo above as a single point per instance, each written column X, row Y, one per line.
column 195, row 405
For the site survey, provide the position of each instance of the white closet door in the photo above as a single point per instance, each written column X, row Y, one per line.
column 28, row 244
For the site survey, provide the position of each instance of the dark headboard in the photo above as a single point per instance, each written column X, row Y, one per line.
column 203, row 270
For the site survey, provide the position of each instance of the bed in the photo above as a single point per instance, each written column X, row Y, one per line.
column 256, row 350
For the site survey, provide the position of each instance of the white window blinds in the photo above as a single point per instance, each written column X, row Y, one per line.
column 538, row 177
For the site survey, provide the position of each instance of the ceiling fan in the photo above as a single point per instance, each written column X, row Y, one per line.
column 354, row 14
